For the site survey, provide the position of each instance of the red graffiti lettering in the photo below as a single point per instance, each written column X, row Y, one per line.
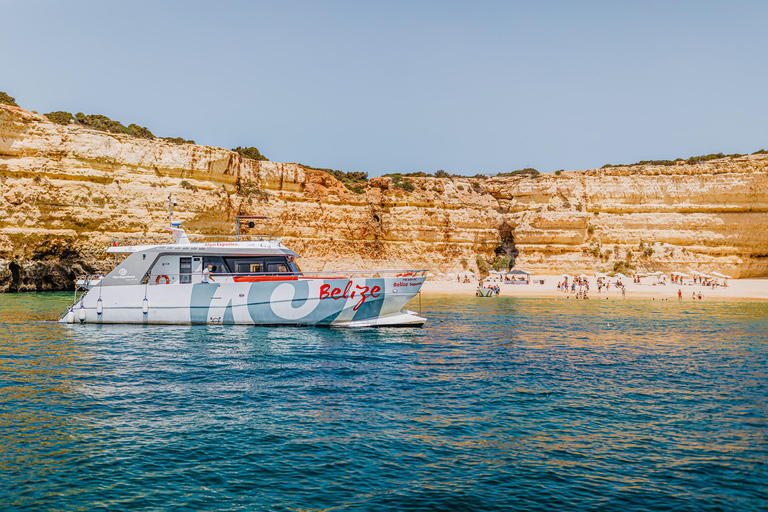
column 363, row 296
column 363, row 292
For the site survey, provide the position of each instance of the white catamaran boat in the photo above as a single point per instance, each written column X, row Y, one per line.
column 253, row 280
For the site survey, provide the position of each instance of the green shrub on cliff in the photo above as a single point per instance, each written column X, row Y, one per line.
column 6, row 99
column 178, row 140
column 348, row 177
column 623, row 267
column 140, row 131
column 528, row 171
column 417, row 174
column 355, row 181
column 402, row 183
column 356, row 188
column 406, row 185
column 502, row 262
column 482, row 266
column 187, row 185
column 60, row 117
column 690, row 160
column 250, row 153
column 251, row 189
column 105, row 124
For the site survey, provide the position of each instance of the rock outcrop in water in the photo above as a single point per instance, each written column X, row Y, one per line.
column 67, row 190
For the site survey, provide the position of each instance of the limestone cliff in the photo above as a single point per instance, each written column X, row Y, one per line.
column 66, row 191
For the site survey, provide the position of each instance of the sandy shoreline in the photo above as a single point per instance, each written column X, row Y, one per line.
column 738, row 289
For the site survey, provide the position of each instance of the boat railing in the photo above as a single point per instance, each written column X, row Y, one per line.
column 167, row 239
column 153, row 278
column 83, row 283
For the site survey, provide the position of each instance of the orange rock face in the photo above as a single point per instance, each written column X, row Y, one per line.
column 66, row 191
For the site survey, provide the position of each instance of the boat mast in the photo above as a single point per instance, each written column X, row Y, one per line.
column 171, row 204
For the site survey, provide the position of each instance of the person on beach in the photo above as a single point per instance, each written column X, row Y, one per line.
column 699, row 295
column 623, row 292
column 679, row 294
column 693, row 295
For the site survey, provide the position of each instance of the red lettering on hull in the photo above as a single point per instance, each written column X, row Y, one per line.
column 336, row 293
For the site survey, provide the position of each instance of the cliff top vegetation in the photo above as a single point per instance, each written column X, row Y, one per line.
column 6, row 99
column 250, row 153
column 690, row 160
column 105, row 124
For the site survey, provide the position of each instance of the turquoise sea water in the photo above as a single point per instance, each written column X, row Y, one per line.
column 496, row 404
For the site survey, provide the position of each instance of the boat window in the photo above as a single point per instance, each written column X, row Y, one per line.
column 261, row 265
column 185, row 269
column 218, row 264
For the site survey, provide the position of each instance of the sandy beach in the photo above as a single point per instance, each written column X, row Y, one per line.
column 738, row 289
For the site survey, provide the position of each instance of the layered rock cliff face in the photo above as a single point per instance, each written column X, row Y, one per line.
column 66, row 191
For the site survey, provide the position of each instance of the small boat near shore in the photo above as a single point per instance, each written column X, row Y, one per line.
column 249, row 280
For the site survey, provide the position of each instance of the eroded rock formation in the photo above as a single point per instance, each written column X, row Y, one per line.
column 66, row 191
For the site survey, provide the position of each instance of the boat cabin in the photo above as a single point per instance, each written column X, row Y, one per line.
column 180, row 268
column 183, row 262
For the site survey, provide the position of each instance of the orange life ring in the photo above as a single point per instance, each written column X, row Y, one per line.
column 157, row 281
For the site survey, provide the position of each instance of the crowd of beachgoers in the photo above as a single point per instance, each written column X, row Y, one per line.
column 580, row 286
column 596, row 285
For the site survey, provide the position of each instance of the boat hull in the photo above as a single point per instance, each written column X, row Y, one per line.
column 363, row 302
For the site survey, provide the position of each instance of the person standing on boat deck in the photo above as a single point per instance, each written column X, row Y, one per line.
column 207, row 278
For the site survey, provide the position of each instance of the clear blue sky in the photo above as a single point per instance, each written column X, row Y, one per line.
column 402, row 86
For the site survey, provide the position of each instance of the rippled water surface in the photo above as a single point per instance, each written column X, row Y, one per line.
column 496, row 404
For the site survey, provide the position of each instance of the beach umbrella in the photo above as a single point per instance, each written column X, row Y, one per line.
column 566, row 276
column 622, row 276
column 600, row 274
column 680, row 274
column 430, row 274
column 718, row 274
column 519, row 273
